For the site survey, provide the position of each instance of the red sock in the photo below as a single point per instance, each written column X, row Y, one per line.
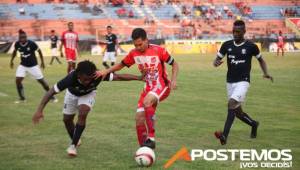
column 150, row 113
column 141, row 132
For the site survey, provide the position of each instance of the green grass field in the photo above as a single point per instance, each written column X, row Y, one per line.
column 187, row 118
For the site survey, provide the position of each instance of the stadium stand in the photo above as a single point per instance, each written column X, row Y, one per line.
column 172, row 19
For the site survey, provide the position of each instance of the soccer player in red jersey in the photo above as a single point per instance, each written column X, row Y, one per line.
column 69, row 39
column 280, row 44
column 151, row 61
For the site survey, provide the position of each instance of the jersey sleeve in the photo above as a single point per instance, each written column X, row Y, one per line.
column 109, row 77
column 128, row 60
column 16, row 45
column 34, row 46
column 63, row 83
column 166, row 57
column 256, row 52
column 223, row 51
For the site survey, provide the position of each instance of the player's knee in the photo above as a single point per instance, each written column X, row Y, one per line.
column 67, row 120
column 140, row 118
column 147, row 103
column 232, row 104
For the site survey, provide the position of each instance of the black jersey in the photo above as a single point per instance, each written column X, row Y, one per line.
column 54, row 40
column 27, row 53
column 111, row 41
column 74, row 86
column 238, row 59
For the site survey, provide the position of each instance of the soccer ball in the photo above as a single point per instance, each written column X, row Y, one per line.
column 144, row 156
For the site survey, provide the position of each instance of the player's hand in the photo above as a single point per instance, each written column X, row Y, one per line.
column 217, row 62
column 37, row 117
column 11, row 65
column 267, row 76
column 43, row 65
column 173, row 85
column 101, row 73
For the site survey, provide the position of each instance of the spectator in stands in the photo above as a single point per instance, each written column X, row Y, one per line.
column 142, row 3
column 97, row 8
column 176, row 18
column 22, row 10
column 121, row 12
column 226, row 9
column 130, row 14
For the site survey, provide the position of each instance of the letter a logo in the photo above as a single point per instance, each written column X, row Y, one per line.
column 183, row 153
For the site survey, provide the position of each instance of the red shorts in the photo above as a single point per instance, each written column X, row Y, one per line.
column 280, row 45
column 160, row 94
column 70, row 55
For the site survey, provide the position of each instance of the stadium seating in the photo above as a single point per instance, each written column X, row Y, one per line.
column 40, row 17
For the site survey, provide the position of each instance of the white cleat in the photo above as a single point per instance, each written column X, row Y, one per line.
column 55, row 100
column 72, row 151
column 20, row 101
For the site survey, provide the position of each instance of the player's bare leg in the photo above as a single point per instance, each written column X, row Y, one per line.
column 46, row 88
column 71, row 66
column 149, row 104
column 20, row 89
column 79, row 128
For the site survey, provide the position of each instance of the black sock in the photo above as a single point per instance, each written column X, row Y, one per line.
column 52, row 58
column 112, row 63
column 57, row 60
column 77, row 133
column 20, row 90
column 245, row 118
column 70, row 128
column 229, row 122
column 105, row 65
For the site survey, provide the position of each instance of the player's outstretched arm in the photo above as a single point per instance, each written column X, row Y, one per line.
column 12, row 58
column 114, row 68
column 42, row 58
column 217, row 62
column 127, row 77
column 38, row 115
column 263, row 67
column 175, row 69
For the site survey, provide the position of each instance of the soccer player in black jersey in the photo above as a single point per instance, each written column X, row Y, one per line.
column 80, row 97
column 239, row 53
column 54, row 39
column 28, row 64
column 110, row 51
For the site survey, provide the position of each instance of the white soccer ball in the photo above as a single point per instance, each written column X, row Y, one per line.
column 144, row 156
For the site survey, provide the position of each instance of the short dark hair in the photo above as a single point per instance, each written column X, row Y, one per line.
column 52, row 31
column 21, row 32
column 70, row 23
column 138, row 33
column 239, row 23
column 86, row 67
column 109, row 26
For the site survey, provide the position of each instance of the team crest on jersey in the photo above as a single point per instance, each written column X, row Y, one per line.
column 243, row 51
column 28, row 48
column 229, row 49
column 153, row 60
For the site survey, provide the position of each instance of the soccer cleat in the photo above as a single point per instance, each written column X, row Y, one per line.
column 72, row 151
column 20, row 101
column 219, row 135
column 149, row 143
column 54, row 99
column 254, row 130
